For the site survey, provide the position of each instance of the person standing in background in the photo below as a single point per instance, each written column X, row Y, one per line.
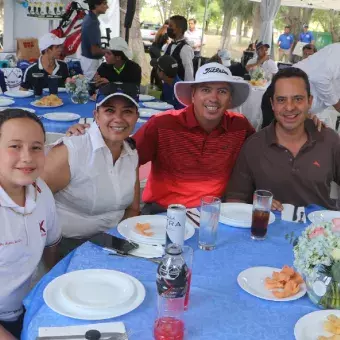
column 194, row 37
column 306, row 36
column 179, row 48
column 91, row 51
column 308, row 50
column 285, row 43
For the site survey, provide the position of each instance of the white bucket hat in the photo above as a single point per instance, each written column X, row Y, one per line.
column 48, row 40
column 119, row 44
column 213, row 72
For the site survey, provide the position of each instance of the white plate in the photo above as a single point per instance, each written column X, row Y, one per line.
column 252, row 281
column 87, row 289
column 62, row 116
column 158, row 105
column 18, row 107
column 323, row 216
column 147, row 113
column 54, row 300
column 19, row 94
column 45, row 107
column 60, row 90
column 6, row 101
column 148, row 251
column 145, row 98
column 158, row 224
column 310, row 326
column 239, row 215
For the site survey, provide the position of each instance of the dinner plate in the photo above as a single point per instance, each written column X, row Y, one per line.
column 310, row 326
column 60, row 90
column 88, row 289
column 158, row 105
column 61, row 116
column 19, row 94
column 147, row 113
column 145, row 98
column 45, row 107
column 239, row 215
column 55, row 300
column 252, row 281
column 6, row 101
column 18, row 108
column 323, row 216
column 158, row 224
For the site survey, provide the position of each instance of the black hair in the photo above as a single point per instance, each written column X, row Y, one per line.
column 9, row 114
column 194, row 20
column 290, row 72
column 120, row 54
column 309, row 47
column 180, row 22
column 93, row 3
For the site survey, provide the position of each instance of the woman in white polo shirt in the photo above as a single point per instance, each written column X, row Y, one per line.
column 28, row 226
column 95, row 176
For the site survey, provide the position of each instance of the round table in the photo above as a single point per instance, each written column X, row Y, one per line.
column 219, row 309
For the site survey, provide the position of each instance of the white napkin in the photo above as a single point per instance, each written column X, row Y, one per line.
column 288, row 212
column 118, row 327
column 195, row 218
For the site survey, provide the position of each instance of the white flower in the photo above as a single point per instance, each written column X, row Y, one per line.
column 336, row 254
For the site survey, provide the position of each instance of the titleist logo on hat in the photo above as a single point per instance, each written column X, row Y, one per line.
column 215, row 70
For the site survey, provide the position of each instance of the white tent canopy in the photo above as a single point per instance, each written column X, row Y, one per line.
column 269, row 9
column 319, row 4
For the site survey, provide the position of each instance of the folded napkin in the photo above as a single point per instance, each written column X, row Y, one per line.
column 287, row 213
column 108, row 327
column 192, row 212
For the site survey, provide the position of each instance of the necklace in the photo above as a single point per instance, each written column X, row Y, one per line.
column 35, row 199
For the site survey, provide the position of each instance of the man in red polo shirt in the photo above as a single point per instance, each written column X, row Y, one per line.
column 193, row 150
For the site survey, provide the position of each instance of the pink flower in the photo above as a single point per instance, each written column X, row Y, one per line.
column 336, row 225
column 318, row 231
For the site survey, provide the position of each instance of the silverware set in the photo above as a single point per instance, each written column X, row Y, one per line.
column 92, row 334
column 190, row 214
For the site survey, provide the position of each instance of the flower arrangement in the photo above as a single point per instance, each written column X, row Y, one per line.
column 77, row 86
column 258, row 74
column 317, row 258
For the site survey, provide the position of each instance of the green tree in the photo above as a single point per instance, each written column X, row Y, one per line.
column 329, row 21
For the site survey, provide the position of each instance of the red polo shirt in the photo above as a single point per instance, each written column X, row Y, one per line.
column 187, row 162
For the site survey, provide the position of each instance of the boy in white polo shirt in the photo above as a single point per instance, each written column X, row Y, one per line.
column 29, row 228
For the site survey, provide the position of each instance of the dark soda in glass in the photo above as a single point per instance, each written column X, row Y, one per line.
column 259, row 224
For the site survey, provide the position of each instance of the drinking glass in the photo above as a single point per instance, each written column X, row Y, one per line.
column 262, row 203
column 53, row 82
column 210, row 214
column 38, row 83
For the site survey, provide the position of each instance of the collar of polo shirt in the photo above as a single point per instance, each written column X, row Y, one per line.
column 55, row 70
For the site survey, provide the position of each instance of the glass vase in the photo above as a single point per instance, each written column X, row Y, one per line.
column 323, row 291
column 80, row 97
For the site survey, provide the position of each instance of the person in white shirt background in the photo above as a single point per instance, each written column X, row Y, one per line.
column 29, row 228
column 262, row 59
column 95, row 176
column 323, row 70
column 194, row 37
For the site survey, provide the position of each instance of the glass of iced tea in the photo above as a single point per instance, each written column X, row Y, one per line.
column 262, row 204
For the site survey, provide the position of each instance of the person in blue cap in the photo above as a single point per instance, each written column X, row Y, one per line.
column 285, row 42
column 306, row 36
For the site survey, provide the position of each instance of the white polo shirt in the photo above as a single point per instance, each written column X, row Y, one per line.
column 269, row 66
column 22, row 242
column 194, row 38
column 100, row 190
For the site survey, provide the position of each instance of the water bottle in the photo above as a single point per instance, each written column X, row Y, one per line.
column 172, row 284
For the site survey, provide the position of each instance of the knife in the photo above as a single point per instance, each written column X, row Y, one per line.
column 193, row 220
column 295, row 213
column 107, row 336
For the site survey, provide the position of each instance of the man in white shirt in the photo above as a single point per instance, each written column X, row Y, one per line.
column 194, row 37
column 179, row 48
column 323, row 70
column 262, row 60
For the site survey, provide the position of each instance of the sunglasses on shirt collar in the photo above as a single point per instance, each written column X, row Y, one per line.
column 127, row 90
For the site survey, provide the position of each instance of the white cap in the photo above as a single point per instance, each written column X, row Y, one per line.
column 119, row 44
column 225, row 57
column 48, row 40
column 209, row 73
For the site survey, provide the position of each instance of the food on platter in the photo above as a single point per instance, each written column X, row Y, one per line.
column 51, row 100
column 144, row 229
column 331, row 325
column 259, row 82
column 285, row 283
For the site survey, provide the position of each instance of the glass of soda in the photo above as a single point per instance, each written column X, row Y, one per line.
column 262, row 204
column 38, row 83
column 210, row 214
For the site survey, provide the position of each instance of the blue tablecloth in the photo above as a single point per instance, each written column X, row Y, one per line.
column 219, row 308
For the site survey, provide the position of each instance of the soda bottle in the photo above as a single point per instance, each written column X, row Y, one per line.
column 172, row 283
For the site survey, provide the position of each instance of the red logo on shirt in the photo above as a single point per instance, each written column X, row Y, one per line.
column 42, row 229
column 316, row 163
